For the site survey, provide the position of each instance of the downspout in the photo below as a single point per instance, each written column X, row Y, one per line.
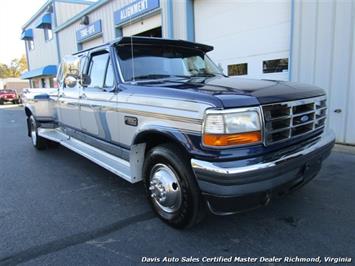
column 57, row 32
column 291, row 39
column 190, row 21
column 28, row 62
column 170, row 19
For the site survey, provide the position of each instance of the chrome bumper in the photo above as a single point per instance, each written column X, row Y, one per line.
column 234, row 186
column 201, row 167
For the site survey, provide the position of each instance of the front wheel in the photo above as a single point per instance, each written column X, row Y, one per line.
column 171, row 187
column 37, row 141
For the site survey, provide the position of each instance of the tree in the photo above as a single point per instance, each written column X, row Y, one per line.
column 16, row 67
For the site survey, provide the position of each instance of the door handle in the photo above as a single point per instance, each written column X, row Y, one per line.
column 83, row 96
column 337, row 111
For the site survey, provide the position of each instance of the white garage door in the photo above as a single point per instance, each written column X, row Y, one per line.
column 324, row 54
column 92, row 43
column 251, row 37
column 142, row 25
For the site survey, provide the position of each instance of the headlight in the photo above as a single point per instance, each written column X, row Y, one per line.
column 230, row 128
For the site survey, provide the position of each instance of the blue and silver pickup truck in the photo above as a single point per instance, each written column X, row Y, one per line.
column 160, row 111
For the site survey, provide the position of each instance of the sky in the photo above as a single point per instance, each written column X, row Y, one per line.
column 13, row 15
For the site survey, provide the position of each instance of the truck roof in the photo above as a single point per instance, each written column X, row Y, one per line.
column 150, row 40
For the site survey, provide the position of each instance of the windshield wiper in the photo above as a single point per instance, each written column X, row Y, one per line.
column 159, row 76
column 203, row 75
column 172, row 77
column 151, row 76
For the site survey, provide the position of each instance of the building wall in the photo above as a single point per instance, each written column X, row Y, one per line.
column 9, row 83
column 323, row 53
column 105, row 13
column 14, row 84
column 179, row 18
column 45, row 52
column 17, row 85
column 65, row 11
column 245, row 32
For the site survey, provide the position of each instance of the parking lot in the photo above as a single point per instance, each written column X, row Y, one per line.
column 58, row 208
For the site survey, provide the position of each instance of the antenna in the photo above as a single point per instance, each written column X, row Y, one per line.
column 132, row 53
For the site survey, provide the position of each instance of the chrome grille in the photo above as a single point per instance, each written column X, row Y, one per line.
column 293, row 119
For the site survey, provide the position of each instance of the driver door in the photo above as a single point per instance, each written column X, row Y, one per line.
column 68, row 99
column 98, row 100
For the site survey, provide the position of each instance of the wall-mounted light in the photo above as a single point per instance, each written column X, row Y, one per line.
column 84, row 20
column 50, row 9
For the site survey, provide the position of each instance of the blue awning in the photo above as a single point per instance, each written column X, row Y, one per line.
column 45, row 21
column 50, row 70
column 27, row 34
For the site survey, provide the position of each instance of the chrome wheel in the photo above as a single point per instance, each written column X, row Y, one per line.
column 165, row 188
column 33, row 133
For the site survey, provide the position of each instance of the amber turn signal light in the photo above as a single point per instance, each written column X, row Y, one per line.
column 232, row 139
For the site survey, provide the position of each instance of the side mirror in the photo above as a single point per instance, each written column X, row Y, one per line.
column 85, row 80
column 70, row 81
column 69, row 71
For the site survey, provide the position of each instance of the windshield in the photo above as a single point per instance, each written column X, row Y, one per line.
column 155, row 62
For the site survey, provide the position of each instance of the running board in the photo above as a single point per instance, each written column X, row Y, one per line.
column 112, row 163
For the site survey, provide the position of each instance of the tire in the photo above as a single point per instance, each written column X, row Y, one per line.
column 168, row 177
column 37, row 141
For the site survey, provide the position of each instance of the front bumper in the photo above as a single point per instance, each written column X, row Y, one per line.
column 240, row 185
column 8, row 99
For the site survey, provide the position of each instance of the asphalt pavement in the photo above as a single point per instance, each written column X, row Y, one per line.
column 58, row 208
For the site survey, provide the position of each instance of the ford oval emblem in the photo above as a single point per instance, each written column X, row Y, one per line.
column 304, row 118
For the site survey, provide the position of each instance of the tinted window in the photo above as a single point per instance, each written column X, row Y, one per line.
column 48, row 34
column 276, row 65
column 30, row 44
column 97, row 70
column 158, row 61
column 51, row 83
column 238, row 69
column 109, row 76
column 43, row 82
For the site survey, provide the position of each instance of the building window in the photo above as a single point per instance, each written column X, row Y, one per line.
column 118, row 32
column 30, row 44
column 51, row 83
column 43, row 83
column 48, row 34
column 275, row 65
column 238, row 69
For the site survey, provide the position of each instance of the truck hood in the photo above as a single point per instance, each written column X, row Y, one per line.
column 266, row 91
column 228, row 92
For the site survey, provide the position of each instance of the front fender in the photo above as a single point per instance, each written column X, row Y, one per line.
column 164, row 133
column 150, row 136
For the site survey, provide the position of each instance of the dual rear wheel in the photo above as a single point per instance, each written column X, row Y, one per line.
column 37, row 141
